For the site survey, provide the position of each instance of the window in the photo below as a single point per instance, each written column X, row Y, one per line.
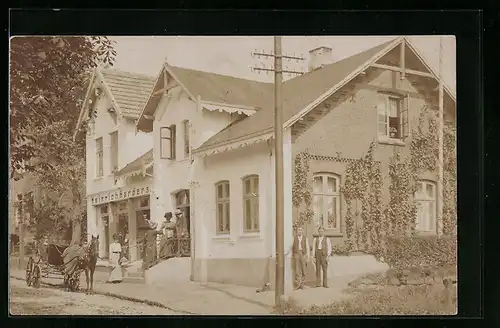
column 425, row 197
column 222, row 202
column 99, row 157
column 251, row 203
column 393, row 117
column 186, row 138
column 167, row 142
column 326, row 200
column 114, row 150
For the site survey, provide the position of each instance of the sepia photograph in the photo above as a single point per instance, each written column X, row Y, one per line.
column 232, row 175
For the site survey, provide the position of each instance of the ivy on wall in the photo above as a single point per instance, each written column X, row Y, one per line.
column 368, row 221
column 368, row 229
column 302, row 192
column 363, row 183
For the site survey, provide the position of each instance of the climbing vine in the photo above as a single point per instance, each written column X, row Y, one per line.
column 302, row 192
column 363, row 183
column 367, row 227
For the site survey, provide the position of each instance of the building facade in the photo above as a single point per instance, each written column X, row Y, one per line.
column 119, row 160
column 211, row 154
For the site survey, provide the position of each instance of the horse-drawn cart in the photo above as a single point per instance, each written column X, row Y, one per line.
column 48, row 262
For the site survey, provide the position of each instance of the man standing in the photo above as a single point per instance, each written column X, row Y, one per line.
column 322, row 249
column 300, row 254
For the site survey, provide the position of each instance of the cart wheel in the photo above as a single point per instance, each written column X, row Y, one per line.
column 35, row 278
column 75, row 282
column 29, row 271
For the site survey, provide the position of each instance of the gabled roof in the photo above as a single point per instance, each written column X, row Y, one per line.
column 297, row 93
column 130, row 90
column 210, row 87
column 303, row 93
column 224, row 88
column 127, row 91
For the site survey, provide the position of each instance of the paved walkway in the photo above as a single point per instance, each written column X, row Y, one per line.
column 208, row 299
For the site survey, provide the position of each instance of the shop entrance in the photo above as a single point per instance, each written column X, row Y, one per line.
column 182, row 203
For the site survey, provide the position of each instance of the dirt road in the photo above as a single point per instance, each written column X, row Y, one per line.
column 26, row 300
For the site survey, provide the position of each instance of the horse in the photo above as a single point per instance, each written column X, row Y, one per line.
column 89, row 263
column 78, row 259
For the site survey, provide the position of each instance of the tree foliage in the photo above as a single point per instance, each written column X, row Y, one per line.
column 364, row 183
column 48, row 80
column 302, row 191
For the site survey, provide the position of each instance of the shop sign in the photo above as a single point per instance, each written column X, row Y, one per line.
column 119, row 194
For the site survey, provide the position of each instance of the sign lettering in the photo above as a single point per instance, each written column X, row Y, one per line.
column 118, row 195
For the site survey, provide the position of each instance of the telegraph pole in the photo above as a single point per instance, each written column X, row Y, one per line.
column 440, row 141
column 278, row 148
column 278, row 131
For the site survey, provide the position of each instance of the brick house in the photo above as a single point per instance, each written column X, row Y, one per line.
column 226, row 168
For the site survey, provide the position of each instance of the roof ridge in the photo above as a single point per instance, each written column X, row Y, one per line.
column 126, row 73
column 218, row 74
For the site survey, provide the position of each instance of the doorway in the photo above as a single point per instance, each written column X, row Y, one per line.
column 182, row 203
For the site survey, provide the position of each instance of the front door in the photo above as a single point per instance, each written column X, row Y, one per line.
column 182, row 203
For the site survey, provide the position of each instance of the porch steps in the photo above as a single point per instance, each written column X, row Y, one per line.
column 175, row 269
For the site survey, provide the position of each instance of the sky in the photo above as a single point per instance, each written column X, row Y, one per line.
column 232, row 55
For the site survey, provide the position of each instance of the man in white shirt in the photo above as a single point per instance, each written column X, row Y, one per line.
column 322, row 249
column 300, row 255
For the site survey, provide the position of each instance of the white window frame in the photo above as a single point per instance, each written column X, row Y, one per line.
column 225, row 202
column 253, row 197
column 383, row 109
column 99, row 169
column 325, row 195
column 424, row 223
column 168, row 135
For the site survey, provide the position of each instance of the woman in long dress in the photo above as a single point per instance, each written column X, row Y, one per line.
column 115, row 251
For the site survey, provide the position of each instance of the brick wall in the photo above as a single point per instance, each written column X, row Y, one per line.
column 347, row 131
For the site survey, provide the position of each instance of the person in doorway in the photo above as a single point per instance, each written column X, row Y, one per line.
column 168, row 235
column 115, row 251
column 300, row 256
column 152, row 242
column 322, row 249
column 180, row 223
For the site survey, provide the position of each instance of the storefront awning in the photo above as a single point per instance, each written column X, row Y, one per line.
column 137, row 166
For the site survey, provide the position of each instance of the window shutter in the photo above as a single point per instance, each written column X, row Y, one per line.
column 405, row 117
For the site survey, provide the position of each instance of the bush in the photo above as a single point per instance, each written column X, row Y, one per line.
column 415, row 251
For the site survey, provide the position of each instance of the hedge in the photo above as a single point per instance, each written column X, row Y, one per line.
column 414, row 251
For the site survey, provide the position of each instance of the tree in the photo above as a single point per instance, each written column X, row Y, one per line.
column 46, row 85
column 48, row 80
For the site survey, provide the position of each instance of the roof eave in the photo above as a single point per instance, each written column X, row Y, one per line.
column 83, row 109
column 337, row 86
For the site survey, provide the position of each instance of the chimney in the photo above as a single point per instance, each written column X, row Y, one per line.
column 320, row 57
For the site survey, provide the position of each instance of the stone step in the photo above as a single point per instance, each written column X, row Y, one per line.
column 134, row 274
column 134, row 280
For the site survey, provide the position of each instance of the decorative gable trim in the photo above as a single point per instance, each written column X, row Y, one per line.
column 234, row 145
